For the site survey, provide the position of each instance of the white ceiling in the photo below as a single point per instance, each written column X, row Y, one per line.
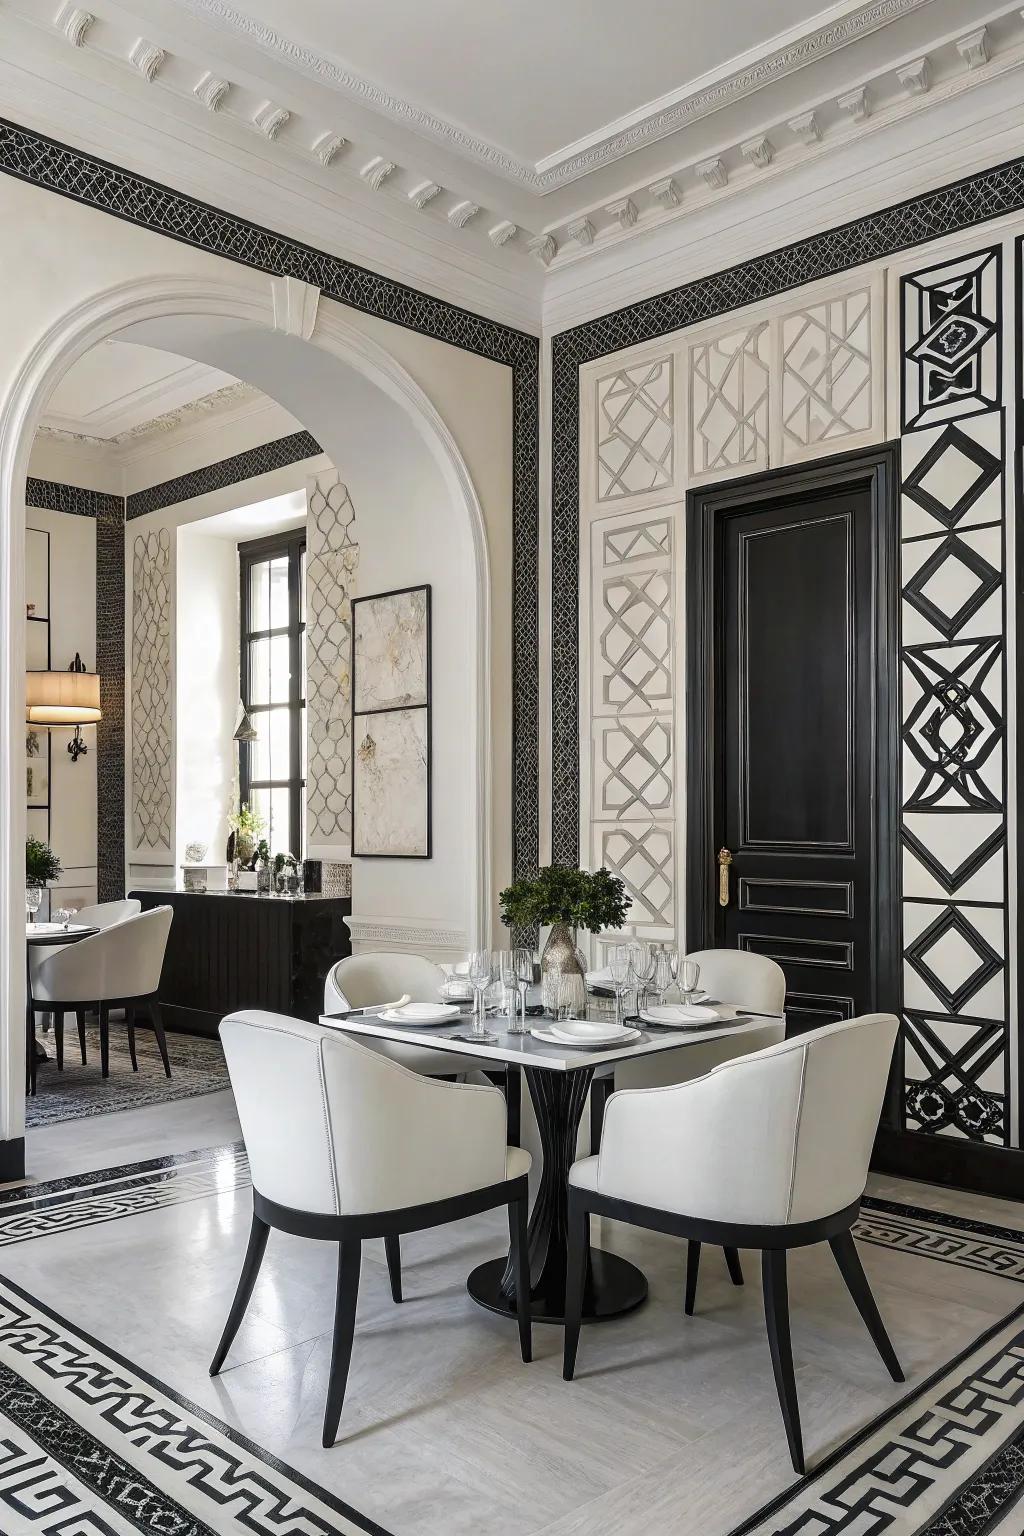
column 275, row 515
column 510, row 155
column 117, row 389
column 533, row 76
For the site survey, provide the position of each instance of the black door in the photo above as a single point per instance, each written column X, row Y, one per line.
column 800, row 763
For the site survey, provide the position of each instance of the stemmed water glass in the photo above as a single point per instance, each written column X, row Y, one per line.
column 524, row 980
column 620, row 970
column 642, row 958
column 663, row 973
column 689, row 975
column 481, row 974
column 33, row 901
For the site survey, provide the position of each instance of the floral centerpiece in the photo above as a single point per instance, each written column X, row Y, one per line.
column 565, row 900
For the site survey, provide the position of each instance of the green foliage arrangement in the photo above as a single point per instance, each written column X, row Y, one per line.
column 585, row 899
column 247, row 823
column 41, row 863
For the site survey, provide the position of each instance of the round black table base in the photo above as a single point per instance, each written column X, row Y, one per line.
column 617, row 1287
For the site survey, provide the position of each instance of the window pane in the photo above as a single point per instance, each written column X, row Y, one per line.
column 269, row 673
column 271, row 757
column 279, row 592
column 259, row 596
column 302, row 587
column 280, row 820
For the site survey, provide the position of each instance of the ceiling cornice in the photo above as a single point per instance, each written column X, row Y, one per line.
column 841, row 24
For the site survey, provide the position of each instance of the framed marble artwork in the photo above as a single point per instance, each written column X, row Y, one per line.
column 391, row 725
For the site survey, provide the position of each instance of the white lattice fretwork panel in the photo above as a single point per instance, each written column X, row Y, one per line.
column 152, row 762
column 828, row 383
column 632, row 770
column 332, row 555
column 729, row 402
column 635, row 440
column 642, row 854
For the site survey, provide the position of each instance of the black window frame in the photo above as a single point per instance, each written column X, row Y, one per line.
column 255, row 552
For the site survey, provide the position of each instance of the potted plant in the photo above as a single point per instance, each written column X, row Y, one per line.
column 41, row 866
column 566, row 900
column 246, row 826
column 261, row 864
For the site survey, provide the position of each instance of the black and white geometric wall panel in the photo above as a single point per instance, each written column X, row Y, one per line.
column 956, row 1056
column 951, row 339
column 332, row 555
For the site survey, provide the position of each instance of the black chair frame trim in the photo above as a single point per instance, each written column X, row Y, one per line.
column 349, row 1233
column 774, row 1243
column 148, row 1001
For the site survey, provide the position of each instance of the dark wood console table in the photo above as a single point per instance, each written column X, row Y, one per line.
column 231, row 950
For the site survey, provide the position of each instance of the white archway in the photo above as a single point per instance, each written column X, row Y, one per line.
column 259, row 304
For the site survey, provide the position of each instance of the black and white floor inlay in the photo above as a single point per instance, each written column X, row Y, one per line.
column 91, row 1441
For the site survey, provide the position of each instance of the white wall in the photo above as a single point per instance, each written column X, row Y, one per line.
column 207, row 690
column 72, row 628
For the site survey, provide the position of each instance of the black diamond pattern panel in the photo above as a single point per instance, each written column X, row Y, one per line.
column 953, row 730
column 947, row 1059
column 925, row 955
column 952, row 452
column 953, row 564
column 951, row 339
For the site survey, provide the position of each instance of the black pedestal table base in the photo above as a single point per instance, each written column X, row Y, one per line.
column 613, row 1285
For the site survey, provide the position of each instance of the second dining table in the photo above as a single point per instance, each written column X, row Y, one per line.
column 558, row 1078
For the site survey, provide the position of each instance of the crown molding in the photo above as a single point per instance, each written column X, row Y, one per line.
column 840, row 24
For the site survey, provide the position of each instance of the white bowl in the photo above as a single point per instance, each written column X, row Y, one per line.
column 680, row 1015
column 583, row 1032
column 415, row 1014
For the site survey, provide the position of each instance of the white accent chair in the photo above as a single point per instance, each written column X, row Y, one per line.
column 769, row 1151
column 118, row 967
column 731, row 976
column 345, row 1145
column 364, row 981
column 106, row 914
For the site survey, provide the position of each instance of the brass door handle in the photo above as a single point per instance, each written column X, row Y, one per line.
column 724, row 860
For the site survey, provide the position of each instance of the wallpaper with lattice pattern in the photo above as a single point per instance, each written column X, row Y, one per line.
column 332, row 556
column 151, row 711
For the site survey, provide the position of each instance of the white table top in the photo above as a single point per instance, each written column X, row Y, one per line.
column 525, row 1049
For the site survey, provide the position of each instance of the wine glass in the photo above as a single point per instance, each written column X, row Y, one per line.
column 481, row 973
column 63, row 915
column 689, row 975
column 662, row 973
column 524, row 980
column 643, row 961
column 33, row 901
column 620, row 970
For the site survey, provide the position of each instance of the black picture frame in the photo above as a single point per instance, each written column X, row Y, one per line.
column 366, row 714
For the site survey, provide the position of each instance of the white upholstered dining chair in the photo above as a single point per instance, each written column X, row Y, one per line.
column 364, row 981
column 731, row 976
column 769, row 1151
column 106, row 914
column 102, row 914
column 119, row 966
column 345, row 1145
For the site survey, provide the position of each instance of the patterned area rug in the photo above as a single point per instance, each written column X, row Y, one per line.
column 197, row 1067
column 91, row 1443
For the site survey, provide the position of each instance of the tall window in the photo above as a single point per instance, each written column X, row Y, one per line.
column 272, row 769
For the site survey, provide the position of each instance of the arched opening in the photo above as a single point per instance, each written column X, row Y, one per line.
column 392, row 448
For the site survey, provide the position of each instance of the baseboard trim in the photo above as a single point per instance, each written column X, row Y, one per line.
column 12, row 1160
column 969, row 1165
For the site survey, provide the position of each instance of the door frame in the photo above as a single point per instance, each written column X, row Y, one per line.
column 707, row 510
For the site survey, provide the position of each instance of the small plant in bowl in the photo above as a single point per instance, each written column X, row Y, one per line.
column 566, row 900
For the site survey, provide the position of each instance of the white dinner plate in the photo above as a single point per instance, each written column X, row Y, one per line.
column 549, row 1038
column 586, row 1032
column 415, row 1015
column 683, row 1016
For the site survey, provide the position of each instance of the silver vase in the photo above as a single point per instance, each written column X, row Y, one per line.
column 562, row 983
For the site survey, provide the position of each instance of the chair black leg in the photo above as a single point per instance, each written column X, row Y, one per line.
column 158, row 1030
column 575, row 1279
column 846, row 1256
column 393, row 1249
column 258, row 1234
column 513, row 1101
column 732, row 1258
column 776, row 1315
column 58, row 1038
column 80, row 1016
column 104, row 1039
column 349, row 1254
column 129, row 1016
column 601, row 1090
column 692, row 1267
column 517, row 1223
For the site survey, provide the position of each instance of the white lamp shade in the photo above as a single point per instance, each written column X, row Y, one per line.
column 62, row 698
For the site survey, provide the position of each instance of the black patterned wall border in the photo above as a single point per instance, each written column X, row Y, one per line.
column 1017, row 512
column 277, row 454
column 961, row 205
column 109, row 511
column 69, row 172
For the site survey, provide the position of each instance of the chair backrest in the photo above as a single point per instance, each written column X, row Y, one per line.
column 122, row 961
column 734, row 976
column 783, row 1135
column 360, row 981
column 106, row 913
column 333, row 1128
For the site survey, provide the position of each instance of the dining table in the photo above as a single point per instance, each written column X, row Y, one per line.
column 558, row 1077
column 43, row 936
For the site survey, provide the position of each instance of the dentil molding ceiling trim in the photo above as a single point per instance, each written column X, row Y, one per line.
column 216, row 403
column 840, row 24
